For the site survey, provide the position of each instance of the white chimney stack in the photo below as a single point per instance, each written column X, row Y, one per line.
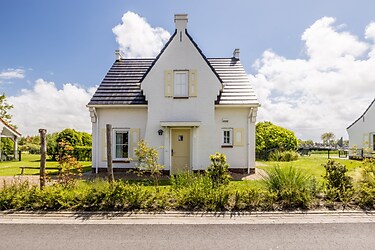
column 118, row 55
column 181, row 21
column 236, row 54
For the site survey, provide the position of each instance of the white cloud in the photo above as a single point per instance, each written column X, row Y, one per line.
column 325, row 92
column 46, row 106
column 12, row 74
column 137, row 38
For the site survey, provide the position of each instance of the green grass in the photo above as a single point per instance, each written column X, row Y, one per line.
column 32, row 162
column 313, row 164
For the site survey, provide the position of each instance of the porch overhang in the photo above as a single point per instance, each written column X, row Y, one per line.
column 180, row 123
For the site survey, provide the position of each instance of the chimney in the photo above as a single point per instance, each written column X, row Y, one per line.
column 181, row 21
column 236, row 54
column 118, row 55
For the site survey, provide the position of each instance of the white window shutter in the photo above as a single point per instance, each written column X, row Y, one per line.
column 168, row 83
column 104, row 145
column 133, row 142
column 193, row 91
column 238, row 137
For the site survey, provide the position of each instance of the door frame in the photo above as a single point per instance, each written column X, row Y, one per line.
column 171, row 145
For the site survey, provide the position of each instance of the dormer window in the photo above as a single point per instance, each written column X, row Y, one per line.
column 181, row 84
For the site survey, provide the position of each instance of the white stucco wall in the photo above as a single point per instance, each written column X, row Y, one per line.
column 182, row 55
column 360, row 132
column 125, row 118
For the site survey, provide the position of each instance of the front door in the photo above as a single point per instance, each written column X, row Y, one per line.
column 180, row 150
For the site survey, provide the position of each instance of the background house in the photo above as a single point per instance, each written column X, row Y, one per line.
column 189, row 105
column 7, row 131
column 362, row 134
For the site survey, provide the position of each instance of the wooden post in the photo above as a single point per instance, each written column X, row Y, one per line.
column 43, row 153
column 109, row 153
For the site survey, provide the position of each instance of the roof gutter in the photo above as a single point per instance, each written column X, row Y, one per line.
column 117, row 105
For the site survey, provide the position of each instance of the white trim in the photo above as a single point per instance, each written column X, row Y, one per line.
column 117, row 106
column 180, row 124
column 237, row 105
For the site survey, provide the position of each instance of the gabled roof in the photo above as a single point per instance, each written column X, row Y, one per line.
column 122, row 84
column 10, row 128
column 362, row 114
column 237, row 89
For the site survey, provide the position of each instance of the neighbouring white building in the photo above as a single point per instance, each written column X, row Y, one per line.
column 188, row 105
column 362, row 134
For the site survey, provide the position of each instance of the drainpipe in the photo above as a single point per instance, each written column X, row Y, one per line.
column 251, row 119
column 248, row 140
column 95, row 119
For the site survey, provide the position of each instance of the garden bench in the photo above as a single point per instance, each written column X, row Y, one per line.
column 23, row 169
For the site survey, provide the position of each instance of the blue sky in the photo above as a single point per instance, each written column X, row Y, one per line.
column 66, row 47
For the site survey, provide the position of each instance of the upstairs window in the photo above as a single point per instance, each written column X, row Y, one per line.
column 181, row 84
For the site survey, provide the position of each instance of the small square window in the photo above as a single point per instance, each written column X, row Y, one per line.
column 227, row 137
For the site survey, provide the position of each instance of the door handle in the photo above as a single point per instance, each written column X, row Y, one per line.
column 172, row 152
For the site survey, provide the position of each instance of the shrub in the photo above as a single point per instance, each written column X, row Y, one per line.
column 218, row 170
column 338, row 183
column 366, row 184
column 283, row 156
column 270, row 137
column 290, row 186
column 148, row 161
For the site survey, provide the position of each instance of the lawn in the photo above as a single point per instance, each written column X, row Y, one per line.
column 32, row 164
column 313, row 164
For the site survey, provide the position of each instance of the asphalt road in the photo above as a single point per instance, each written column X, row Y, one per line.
column 188, row 236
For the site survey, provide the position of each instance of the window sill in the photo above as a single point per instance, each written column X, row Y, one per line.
column 120, row 161
column 226, row 146
column 180, row 97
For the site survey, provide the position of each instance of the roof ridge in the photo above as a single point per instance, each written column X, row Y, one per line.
column 362, row 114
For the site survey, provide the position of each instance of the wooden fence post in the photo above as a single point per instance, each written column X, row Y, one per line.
column 43, row 153
column 109, row 153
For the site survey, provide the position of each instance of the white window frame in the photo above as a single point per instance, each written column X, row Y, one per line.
column 186, row 87
column 224, row 131
column 114, row 146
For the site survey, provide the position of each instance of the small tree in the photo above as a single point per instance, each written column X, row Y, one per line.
column 148, row 161
column 218, row 170
column 69, row 167
column 328, row 138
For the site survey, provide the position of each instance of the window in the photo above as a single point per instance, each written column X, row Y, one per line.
column 121, row 144
column 227, row 139
column 181, row 84
column 372, row 136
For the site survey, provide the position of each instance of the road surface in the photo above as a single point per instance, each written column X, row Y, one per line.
column 270, row 231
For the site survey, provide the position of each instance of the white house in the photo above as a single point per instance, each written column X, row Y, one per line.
column 188, row 105
column 362, row 134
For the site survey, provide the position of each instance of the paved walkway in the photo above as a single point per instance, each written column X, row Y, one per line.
column 174, row 217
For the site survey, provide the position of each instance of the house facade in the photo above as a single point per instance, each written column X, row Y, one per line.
column 182, row 102
column 362, row 134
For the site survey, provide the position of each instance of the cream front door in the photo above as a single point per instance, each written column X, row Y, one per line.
column 180, row 150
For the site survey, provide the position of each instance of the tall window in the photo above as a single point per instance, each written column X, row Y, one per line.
column 181, row 84
column 373, row 141
column 121, row 144
column 227, row 139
